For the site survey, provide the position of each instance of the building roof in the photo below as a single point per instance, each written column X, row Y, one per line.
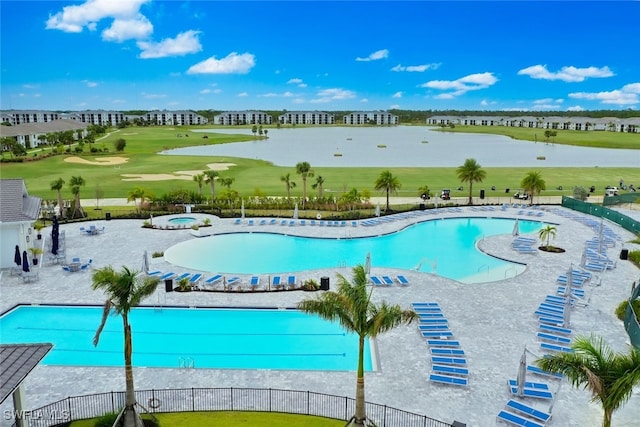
column 15, row 203
column 41, row 128
column 16, row 361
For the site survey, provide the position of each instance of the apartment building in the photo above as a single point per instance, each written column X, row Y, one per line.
column 174, row 118
column 230, row 118
column 19, row 117
column 306, row 118
column 370, row 117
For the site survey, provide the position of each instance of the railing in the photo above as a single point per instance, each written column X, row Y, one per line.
column 225, row 399
column 622, row 220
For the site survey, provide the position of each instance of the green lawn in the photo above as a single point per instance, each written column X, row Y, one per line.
column 233, row 419
column 260, row 177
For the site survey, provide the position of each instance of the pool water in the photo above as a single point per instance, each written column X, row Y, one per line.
column 175, row 337
column 446, row 247
column 182, row 220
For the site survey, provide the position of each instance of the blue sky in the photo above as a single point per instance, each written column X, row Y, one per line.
column 319, row 55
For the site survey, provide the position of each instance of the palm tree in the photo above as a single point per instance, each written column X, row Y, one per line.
column 58, row 185
column 75, row 183
column 210, row 178
column 199, row 179
column 135, row 194
column 609, row 376
column 547, row 233
column 352, row 307
column 471, row 172
column 124, row 290
column 288, row 183
column 388, row 183
column 318, row 184
column 304, row 170
column 533, row 183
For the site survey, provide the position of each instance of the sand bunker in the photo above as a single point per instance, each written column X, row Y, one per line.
column 99, row 161
column 183, row 175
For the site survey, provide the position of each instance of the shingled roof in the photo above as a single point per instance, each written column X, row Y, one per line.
column 15, row 203
column 16, row 361
column 41, row 128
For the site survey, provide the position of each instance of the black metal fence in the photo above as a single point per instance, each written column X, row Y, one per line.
column 224, row 399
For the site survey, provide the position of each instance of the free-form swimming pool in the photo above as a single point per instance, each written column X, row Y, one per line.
column 175, row 337
column 444, row 246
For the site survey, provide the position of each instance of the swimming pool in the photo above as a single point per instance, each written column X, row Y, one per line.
column 444, row 246
column 184, row 337
column 182, row 220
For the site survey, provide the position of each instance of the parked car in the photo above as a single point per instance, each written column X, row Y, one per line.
column 611, row 191
column 521, row 196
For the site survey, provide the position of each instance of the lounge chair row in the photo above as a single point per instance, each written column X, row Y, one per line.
column 388, row 281
column 519, row 414
column 294, row 222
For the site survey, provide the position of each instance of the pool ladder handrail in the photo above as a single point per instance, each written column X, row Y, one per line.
column 186, row 362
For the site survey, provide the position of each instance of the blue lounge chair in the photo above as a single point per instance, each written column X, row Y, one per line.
column 452, row 370
column 425, row 304
column 432, row 320
column 154, row 273
column 291, row 280
column 263, row 222
column 441, row 360
column 436, row 334
column 238, row 221
column 67, row 269
column 387, row 280
column 233, row 281
column 182, row 276
column 402, row 280
column 255, row 281
column 446, row 351
column 213, row 279
column 250, row 222
column 433, row 327
column 517, row 420
column 539, row 371
column 276, row 282
column 556, row 348
column 443, row 343
column 195, row 279
column 555, row 329
column 430, row 315
column 447, row 379
column 376, row 280
column 529, row 384
column 168, row 275
column 533, row 393
column 273, row 222
column 534, row 413
column 546, row 336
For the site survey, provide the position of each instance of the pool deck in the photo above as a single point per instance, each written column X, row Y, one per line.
column 493, row 321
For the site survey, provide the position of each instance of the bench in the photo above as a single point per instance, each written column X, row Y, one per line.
column 447, row 379
column 529, row 411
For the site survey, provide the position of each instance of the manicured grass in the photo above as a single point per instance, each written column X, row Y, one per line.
column 233, row 419
column 253, row 177
column 602, row 139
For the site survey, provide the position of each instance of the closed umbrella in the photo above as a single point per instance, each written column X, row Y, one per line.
column 295, row 212
column 25, row 262
column 522, row 373
column 55, row 243
column 367, row 263
column 516, row 228
column 566, row 322
column 378, row 209
column 242, row 210
column 17, row 258
column 569, row 287
column 145, row 262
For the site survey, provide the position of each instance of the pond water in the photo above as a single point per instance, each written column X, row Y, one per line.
column 406, row 146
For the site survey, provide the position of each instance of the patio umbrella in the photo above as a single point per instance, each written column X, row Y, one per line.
column 378, row 209
column 566, row 322
column 145, row 262
column 17, row 258
column 25, row 262
column 600, row 236
column 367, row 263
column 567, row 290
column 55, row 243
column 522, row 373
column 516, row 228
column 242, row 210
column 295, row 212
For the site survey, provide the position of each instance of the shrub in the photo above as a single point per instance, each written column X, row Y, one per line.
column 634, row 256
column 622, row 307
column 310, row 285
column 119, row 144
column 106, row 420
column 158, row 254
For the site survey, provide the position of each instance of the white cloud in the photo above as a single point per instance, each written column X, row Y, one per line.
column 184, row 43
column 205, row 91
column 153, row 95
column 299, row 101
column 627, row 95
column 30, row 86
column 394, row 107
column 90, row 84
column 135, row 28
column 462, row 85
column 364, row 100
column 231, row 64
column 286, row 94
column 576, row 108
column 415, row 68
column 335, row 94
column 297, row 82
column 548, row 101
column 243, row 94
column 569, row 74
column 378, row 54
column 72, row 19
column 397, row 95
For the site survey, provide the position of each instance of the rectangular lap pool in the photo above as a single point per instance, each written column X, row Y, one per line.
column 177, row 337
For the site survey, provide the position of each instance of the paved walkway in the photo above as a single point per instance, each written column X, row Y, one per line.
column 493, row 321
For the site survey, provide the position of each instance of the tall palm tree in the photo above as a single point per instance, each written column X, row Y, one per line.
column 304, row 170
column 352, row 307
column 533, row 183
column 227, row 181
column 609, row 376
column 471, row 172
column 210, row 178
column 388, row 183
column 199, row 179
column 547, row 233
column 58, row 185
column 318, row 184
column 288, row 183
column 124, row 290
column 135, row 194
column 75, row 183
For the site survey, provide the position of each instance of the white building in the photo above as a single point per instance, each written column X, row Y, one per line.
column 174, row 118
column 18, row 211
column 230, row 118
column 370, row 117
column 34, row 134
column 306, row 118
column 18, row 117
